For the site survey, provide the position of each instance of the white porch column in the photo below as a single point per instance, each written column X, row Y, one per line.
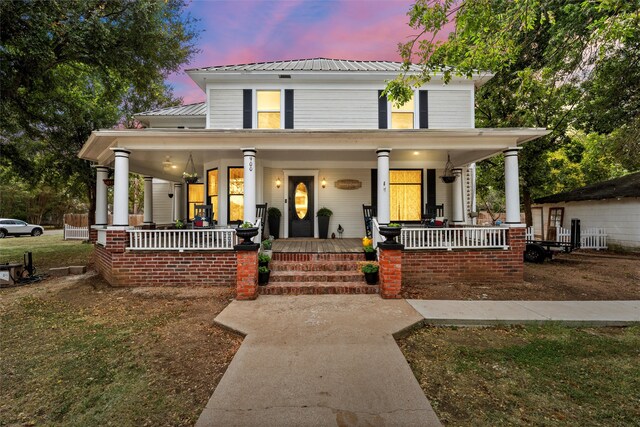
column 249, row 184
column 457, row 209
column 512, row 185
column 148, row 200
column 177, row 202
column 102, row 172
column 121, row 188
column 384, row 198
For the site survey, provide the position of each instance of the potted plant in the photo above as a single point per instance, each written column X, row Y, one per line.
column 263, row 260
column 369, row 250
column 273, row 215
column 109, row 181
column 179, row 224
column 370, row 270
column 247, row 231
column 324, row 215
column 263, row 275
column 190, row 178
column 391, row 231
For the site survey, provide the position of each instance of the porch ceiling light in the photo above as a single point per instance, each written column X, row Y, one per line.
column 168, row 164
column 278, row 183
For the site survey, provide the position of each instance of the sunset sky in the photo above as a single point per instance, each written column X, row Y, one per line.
column 243, row 31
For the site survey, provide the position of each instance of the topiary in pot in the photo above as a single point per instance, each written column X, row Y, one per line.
column 273, row 218
column 324, row 215
column 263, row 275
column 263, row 260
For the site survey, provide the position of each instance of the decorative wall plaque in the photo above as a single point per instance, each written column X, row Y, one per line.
column 348, row 184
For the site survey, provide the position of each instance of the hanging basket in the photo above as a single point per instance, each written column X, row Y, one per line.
column 190, row 175
column 108, row 182
column 448, row 177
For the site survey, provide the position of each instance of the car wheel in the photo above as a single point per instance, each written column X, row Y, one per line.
column 36, row 232
column 534, row 253
column 3, row 234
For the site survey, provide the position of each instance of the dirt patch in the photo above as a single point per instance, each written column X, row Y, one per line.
column 142, row 356
column 577, row 276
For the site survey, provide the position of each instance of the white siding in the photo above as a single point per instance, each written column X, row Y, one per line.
column 226, row 108
column 335, row 109
column 450, row 109
column 621, row 218
column 162, row 204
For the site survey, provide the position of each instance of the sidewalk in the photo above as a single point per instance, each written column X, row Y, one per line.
column 571, row 313
column 327, row 360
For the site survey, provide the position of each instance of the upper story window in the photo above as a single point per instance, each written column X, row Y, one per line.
column 268, row 109
column 402, row 117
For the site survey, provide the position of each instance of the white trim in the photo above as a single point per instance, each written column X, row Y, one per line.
column 300, row 172
column 207, row 104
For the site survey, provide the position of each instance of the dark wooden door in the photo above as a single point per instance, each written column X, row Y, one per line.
column 301, row 210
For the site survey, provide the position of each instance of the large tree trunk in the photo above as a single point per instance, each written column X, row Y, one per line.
column 526, row 199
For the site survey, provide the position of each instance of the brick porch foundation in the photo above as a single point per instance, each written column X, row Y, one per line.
column 162, row 268
column 481, row 265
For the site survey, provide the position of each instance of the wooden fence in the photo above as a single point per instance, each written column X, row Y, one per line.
column 82, row 220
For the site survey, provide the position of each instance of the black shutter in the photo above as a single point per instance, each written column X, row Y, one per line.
column 431, row 187
column 382, row 110
column 247, row 108
column 424, row 109
column 288, row 108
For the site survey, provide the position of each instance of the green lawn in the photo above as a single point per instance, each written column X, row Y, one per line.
column 48, row 251
column 529, row 375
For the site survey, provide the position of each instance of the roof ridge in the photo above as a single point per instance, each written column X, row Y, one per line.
column 298, row 59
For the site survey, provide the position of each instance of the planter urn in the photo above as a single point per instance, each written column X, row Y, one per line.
column 390, row 233
column 263, row 278
column 274, row 226
column 370, row 256
column 247, row 234
column 323, row 226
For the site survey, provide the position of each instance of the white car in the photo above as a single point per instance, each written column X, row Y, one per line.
column 15, row 227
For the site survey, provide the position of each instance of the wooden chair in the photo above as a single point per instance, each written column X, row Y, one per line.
column 431, row 215
column 261, row 212
column 368, row 211
column 202, row 216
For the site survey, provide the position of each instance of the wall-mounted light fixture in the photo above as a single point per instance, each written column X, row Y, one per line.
column 278, row 183
column 324, row 182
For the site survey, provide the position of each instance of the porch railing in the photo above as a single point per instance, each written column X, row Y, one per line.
column 455, row 238
column 375, row 232
column 182, row 240
column 75, row 233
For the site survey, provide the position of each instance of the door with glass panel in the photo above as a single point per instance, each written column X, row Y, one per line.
column 301, row 212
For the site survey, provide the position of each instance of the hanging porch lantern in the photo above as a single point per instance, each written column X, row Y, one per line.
column 448, row 177
column 190, row 175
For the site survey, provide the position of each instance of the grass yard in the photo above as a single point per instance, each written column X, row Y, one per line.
column 529, row 375
column 77, row 352
column 49, row 250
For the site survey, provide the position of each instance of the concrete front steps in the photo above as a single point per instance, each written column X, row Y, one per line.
column 316, row 273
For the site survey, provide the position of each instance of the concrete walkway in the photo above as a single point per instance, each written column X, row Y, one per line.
column 326, row 360
column 573, row 313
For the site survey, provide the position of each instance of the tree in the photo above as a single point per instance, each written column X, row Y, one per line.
column 551, row 61
column 68, row 68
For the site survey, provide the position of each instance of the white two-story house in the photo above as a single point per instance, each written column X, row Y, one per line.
column 300, row 135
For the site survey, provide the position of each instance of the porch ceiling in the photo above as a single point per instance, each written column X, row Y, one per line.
column 149, row 147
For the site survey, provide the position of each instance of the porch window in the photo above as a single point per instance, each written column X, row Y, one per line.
column 195, row 196
column 212, row 189
column 402, row 117
column 405, row 194
column 236, row 194
column 268, row 103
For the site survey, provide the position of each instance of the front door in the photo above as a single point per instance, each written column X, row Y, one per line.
column 301, row 206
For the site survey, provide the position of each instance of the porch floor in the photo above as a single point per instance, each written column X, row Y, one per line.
column 318, row 246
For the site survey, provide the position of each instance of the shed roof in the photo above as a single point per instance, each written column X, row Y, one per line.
column 625, row 186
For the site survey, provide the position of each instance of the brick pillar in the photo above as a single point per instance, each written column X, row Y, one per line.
column 517, row 242
column 117, row 241
column 390, row 260
column 247, row 273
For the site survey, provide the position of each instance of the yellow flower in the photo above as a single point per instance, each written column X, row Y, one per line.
column 366, row 241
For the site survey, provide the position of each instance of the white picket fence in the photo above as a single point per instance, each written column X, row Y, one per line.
column 590, row 238
column 454, row 238
column 75, row 233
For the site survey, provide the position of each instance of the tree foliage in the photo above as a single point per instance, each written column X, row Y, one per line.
column 68, row 68
column 553, row 63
